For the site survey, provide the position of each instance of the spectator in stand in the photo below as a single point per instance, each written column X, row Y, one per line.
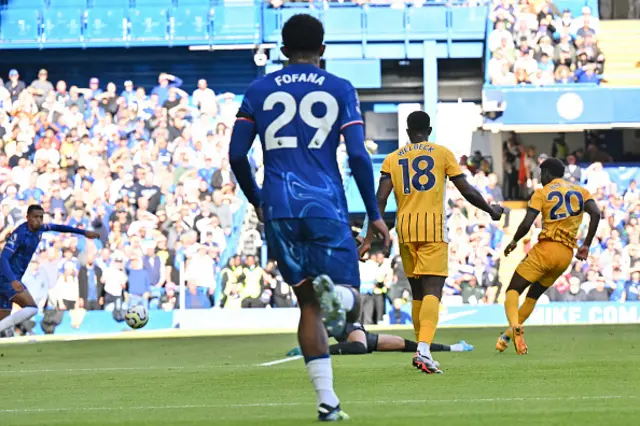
column 115, row 282
column 632, row 194
column 15, row 86
column 36, row 283
column 632, row 288
column 165, row 82
column 504, row 11
column 41, row 87
column 573, row 172
column 94, row 89
column 500, row 37
column 91, row 284
column 67, row 288
column 586, row 17
column 563, row 75
column 128, row 94
column 505, row 77
column 139, row 286
column 253, row 287
column 205, row 99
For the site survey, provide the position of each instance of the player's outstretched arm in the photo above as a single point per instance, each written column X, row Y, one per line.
column 590, row 208
column 242, row 137
column 522, row 230
column 382, row 196
column 361, row 168
column 70, row 230
column 362, row 171
column 476, row 199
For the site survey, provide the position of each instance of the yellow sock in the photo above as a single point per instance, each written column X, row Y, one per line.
column 429, row 318
column 511, row 307
column 524, row 312
column 416, row 305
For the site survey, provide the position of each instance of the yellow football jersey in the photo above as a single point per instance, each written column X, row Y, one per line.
column 562, row 206
column 418, row 173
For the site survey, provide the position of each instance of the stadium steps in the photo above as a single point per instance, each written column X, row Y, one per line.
column 619, row 40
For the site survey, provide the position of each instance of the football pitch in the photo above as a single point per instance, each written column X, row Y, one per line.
column 571, row 376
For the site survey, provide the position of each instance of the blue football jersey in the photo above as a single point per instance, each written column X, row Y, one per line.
column 21, row 246
column 299, row 113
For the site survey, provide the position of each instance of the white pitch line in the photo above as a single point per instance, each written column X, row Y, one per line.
column 295, row 404
column 116, row 369
column 280, row 361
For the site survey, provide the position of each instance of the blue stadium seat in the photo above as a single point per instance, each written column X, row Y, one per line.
column 274, row 19
column 19, row 25
column 26, row 4
column 191, row 22
column 54, row 4
column 427, row 22
column 161, row 4
column 384, row 23
column 236, row 23
column 110, row 3
column 105, row 25
column 63, row 24
column 343, row 23
column 468, row 22
column 149, row 24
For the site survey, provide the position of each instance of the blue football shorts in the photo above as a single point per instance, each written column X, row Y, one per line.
column 308, row 247
column 7, row 292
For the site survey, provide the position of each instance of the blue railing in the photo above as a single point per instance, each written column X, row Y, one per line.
column 103, row 23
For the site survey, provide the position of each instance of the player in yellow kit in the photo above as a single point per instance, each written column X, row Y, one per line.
column 562, row 205
column 418, row 173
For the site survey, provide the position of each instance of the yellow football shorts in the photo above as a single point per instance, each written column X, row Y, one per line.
column 425, row 259
column 545, row 262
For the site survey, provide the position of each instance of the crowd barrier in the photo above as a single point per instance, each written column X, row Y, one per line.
column 244, row 321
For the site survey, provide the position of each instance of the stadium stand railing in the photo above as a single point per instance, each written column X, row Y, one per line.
column 98, row 23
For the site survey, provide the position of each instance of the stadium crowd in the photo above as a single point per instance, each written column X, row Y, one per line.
column 149, row 172
column 533, row 42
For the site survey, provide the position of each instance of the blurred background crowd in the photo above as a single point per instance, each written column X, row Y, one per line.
column 534, row 42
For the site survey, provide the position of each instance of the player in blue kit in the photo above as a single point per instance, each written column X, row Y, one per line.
column 299, row 113
column 14, row 261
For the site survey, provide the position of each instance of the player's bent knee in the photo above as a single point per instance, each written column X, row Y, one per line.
column 354, row 314
column 305, row 294
column 518, row 283
column 358, row 348
column 432, row 285
column 24, row 299
column 536, row 291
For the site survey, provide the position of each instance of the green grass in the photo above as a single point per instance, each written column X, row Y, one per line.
column 572, row 376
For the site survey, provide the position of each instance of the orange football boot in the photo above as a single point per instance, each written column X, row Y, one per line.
column 518, row 340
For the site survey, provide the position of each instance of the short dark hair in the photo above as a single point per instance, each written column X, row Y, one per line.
column 34, row 208
column 418, row 121
column 555, row 167
column 303, row 33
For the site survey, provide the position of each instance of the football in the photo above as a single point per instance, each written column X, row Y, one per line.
column 136, row 316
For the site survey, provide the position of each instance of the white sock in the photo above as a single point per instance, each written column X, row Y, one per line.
column 424, row 350
column 17, row 318
column 321, row 376
column 347, row 298
column 457, row 347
